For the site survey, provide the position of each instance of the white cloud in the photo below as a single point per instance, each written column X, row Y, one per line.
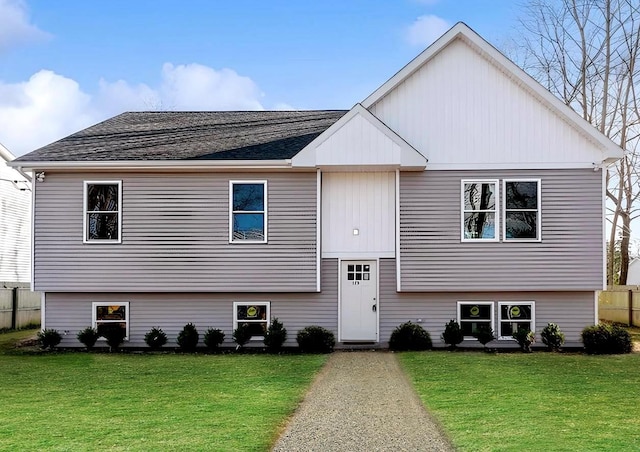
column 49, row 106
column 426, row 29
column 15, row 27
column 197, row 87
column 40, row 110
column 284, row 107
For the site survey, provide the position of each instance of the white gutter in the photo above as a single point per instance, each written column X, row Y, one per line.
column 154, row 164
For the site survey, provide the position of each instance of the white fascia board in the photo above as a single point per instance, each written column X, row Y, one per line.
column 409, row 157
column 514, row 166
column 6, row 154
column 155, row 164
column 609, row 149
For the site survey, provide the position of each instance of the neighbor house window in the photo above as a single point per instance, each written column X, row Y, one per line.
column 256, row 315
column 521, row 210
column 473, row 314
column 248, row 211
column 479, row 210
column 513, row 316
column 111, row 315
column 102, row 212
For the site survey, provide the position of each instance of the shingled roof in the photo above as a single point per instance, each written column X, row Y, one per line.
column 229, row 135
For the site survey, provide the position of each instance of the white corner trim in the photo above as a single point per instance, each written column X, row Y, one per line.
column 43, row 310
column 397, row 212
column 318, row 229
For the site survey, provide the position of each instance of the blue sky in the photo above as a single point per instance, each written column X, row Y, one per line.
column 65, row 65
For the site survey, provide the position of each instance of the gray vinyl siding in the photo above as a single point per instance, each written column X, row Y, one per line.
column 569, row 257
column 572, row 311
column 70, row 312
column 175, row 236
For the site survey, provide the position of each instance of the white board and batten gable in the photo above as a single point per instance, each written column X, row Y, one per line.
column 464, row 105
column 15, row 222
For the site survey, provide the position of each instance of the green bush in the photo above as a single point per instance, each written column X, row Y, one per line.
column 410, row 336
column 188, row 338
column 315, row 339
column 484, row 334
column 49, row 339
column 213, row 337
column 155, row 338
column 524, row 337
column 604, row 339
column 114, row 334
column 89, row 336
column 552, row 337
column 242, row 334
column 275, row 335
column 452, row 334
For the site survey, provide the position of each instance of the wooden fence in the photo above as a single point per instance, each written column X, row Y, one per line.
column 620, row 304
column 19, row 306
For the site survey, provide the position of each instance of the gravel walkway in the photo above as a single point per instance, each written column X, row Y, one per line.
column 362, row 401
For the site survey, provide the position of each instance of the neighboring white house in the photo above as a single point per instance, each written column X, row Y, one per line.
column 633, row 275
column 15, row 222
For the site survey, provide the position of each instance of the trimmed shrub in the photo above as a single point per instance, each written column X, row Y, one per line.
column 275, row 335
column 452, row 334
column 315, row 339
column 49, row 339
column 114, row 334
column 604, row 339
column 155, row 338
column 552, row 337
column 188, row 338
column 242, row 334
column 410, row 336
column 213, row 337
column 484, row 334
column 524, row 337
column 89, row 336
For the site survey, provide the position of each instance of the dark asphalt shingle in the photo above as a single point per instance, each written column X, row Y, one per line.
column 232, row 135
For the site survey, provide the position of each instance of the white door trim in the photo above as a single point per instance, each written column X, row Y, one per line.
column 377, row 261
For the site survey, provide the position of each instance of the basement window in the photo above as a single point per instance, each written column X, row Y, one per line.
column 256, row 315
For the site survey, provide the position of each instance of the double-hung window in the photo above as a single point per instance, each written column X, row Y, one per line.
column 102, row 211
column 515, row 316
column 479, row 210
column 255, row 315
column 521, row 210
column 111, row 315
column 248, row 211
column 472, row 314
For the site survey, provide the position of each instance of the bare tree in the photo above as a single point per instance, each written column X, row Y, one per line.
column 586, row 53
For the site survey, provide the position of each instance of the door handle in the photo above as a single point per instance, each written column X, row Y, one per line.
column 374, row 308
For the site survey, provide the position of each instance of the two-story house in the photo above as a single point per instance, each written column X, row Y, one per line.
column 460, row 189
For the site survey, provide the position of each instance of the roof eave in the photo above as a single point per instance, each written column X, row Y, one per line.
column 154, row 164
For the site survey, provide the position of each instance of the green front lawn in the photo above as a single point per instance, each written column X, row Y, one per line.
column 533, row 402
column 100, row 401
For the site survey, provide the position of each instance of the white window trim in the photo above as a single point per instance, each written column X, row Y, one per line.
column 509, row 303
column 485, row 303
column 94, row 319
column 231, row 212
column 496, row 183
column 85, row 211
column 539, row 210
column 267, row 304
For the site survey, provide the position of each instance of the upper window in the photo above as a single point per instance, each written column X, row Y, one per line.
column 479, row 210
column 111, row 315
column 521, row 210
column 256, row 315
column 248, row 211
column 514, row 316
column 473, row 314
column 102, row 212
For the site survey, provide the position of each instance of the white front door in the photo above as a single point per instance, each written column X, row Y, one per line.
column 359, row 301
